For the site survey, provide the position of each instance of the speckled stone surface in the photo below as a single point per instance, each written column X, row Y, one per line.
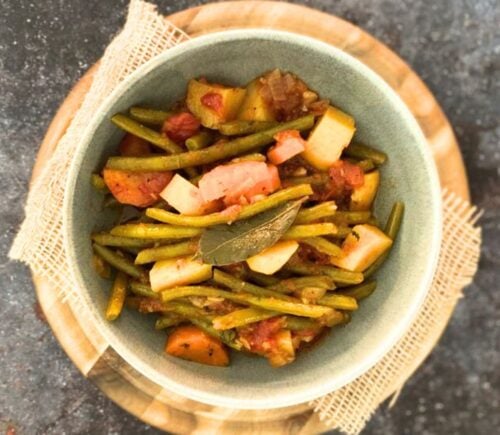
column 453, row 44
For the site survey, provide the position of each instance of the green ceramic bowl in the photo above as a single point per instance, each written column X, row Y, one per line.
column 382, row 120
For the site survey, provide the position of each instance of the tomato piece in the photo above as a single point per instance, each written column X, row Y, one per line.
column 213, row 101
column 348, row 173
column 344, row 178
column 150, row 305
column 260, row 335
column 140, row 189
column 289, row 143
column 181, row 126
column 133, row 146
column 270, row 339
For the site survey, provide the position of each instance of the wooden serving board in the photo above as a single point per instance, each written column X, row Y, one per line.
column 88, row 349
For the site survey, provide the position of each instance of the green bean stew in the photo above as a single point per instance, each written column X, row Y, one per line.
column 253, row 227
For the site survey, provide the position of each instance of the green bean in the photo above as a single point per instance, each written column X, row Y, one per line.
column 394, row 220
column 253, row 157
column 242, row 317
column 98, row 183
column 204, row 322
column 227, row 337
column 360, row 291
column 118, row 262
column 271, row 304
column 342, row 232
column 320, row 211
column 360, row 151
column 323, row 245
column 117, row 297
column 141, row 289
column 188, row 311
column 366, row 165
column 391, row 229
column 339, row 302
column 133, row 251
column 340, row 276
column 102, row 268
column 200, row 140
column 152, row 136
column 261, row 279
column 106, row 239
column 168, row 251
column 161, row 141
column 238, row 285
column 315, row 180
column 351, row 217
column 290, row 285
column 237, row 128
column 247, row 211
column 309, row 230
column 210, row 154
column 310, row 295
column 166, row 321
column 300, row 323
column 337, row 318
column 155, row 231
column 149, row 116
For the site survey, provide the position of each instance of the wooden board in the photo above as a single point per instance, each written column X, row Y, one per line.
column 87, row 348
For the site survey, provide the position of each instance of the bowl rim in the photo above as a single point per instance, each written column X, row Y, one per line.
column 384, row 345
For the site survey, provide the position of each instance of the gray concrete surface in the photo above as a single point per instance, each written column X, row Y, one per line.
column 453, row 44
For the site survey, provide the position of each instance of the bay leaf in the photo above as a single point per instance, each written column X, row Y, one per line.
column 227, row 244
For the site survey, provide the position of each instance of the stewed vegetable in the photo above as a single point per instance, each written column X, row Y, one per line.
column 248, row 219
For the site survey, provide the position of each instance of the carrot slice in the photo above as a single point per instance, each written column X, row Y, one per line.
column 191, row 343
column 141, row 189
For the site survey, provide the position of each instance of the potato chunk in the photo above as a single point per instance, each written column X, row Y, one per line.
column 272, row 259
column 330, row 136
column 361, row 248
column 185, row 197
column 178, row 271
column 213, row 104
column 254, row 108
column 363, row 196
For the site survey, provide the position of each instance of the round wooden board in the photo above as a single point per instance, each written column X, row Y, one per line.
column 88, row 349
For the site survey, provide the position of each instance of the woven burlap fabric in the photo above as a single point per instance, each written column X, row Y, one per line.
column 40, row 241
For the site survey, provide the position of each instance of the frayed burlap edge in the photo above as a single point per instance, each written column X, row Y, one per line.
column 40, row 243
column 349, row 408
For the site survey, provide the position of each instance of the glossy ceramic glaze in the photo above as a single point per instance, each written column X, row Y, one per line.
column 382, row 121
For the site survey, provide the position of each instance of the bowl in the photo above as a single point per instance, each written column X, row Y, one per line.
column 382, row 120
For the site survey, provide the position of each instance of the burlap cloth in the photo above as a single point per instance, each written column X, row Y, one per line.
column 40, row 239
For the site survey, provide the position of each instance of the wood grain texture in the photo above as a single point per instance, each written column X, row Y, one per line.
column 90, row 352
column 335, row 31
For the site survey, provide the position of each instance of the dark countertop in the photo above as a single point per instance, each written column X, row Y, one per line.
column 454, row 46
